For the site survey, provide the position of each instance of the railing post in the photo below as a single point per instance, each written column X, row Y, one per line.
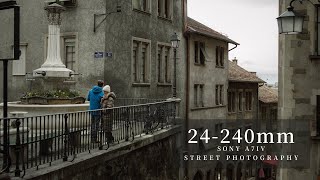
column 100, row 129
column 66, row 136
column 127, row 119
column 17, row 149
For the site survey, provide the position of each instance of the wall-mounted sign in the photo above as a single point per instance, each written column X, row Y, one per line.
column 108, row 54
column 98, row 54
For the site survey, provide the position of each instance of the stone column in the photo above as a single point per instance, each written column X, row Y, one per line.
column 53, row 66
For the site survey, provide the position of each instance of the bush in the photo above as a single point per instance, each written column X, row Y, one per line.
column 60, row 94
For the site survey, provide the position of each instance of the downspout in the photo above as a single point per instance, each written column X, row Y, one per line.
column 187, row 82
column 186, row 125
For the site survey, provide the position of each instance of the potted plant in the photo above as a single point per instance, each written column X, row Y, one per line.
column 53, row 97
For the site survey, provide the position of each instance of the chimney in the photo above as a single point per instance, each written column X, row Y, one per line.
column 254, row 73
column 235, row 60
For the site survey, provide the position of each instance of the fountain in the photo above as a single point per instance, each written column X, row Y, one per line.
column 50, row 75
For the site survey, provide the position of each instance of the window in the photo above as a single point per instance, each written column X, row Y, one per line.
column 218, row 128
column 240, row 101
column 219, row 56
column 198, row 95
column 199, row 53
column 318, row 31
column 68, row 50
column 19, row 66
column 69, row 53
column 140, row 60
column 219, row 94
column 248, row 100
column 231, row 101
column 165, row 9
column 164, row 63
column 142, row 5
column 218, row 171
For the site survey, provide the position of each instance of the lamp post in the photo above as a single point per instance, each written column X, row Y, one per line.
column 290, row 22
column 9, row 5
column 175, row 44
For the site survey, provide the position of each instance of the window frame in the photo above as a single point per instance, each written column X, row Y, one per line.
column 232, row 102
column 240, row 101
column 167, row 11
column 199, row 48
column 164, row 70
column 21, row 62
column 63, row 36
column 148, row 6
column 140, row 79
column 198, row 95
column 219, row 95
column 220, row 56
column 248, row 100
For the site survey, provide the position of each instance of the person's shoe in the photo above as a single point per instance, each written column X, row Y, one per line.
column 109, row 137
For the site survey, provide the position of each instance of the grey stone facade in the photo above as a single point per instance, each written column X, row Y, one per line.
column 114, row 35
column 299, row 84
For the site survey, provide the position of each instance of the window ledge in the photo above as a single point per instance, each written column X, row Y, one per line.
column 314, row 57
column 142, row 11
column 221, row 67
column 164, row 84
column 232, row 112
column 199, row 64
column 140, row 84
column 206, row 107
column 165, row 19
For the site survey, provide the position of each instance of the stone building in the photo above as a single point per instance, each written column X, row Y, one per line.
column 299, row 88
column 130, row 50
column 242, row 93
column 206, row 92
column 268, row 103
column 243, row 110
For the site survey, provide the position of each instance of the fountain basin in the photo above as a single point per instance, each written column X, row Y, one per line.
column 48, row 120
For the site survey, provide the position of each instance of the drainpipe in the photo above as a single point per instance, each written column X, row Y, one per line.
column 187, row 82
column 186, row 125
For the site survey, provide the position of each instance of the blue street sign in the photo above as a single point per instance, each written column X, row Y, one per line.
column 108, row 54
column 98, row 54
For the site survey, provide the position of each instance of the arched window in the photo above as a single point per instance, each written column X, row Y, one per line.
column 230, row 172
column 218, row 172
column 239, row 171
column 198, row 176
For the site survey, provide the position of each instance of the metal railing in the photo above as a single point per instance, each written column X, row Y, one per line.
column 40, row 140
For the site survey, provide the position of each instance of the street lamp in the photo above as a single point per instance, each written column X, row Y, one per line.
column 175, row 41
column 175, row 44
column 290, row 22
column 8, row 6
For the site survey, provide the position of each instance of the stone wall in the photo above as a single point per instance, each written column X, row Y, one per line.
column 151, row 157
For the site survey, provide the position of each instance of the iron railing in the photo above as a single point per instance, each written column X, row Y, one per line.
column 38, row 141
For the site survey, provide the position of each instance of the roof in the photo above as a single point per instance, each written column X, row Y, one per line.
column 194, row 26
column 268, row 95
column 238, row 74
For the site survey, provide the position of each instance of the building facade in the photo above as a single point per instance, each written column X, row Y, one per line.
column 299, row 87
column 242, row 93
column 130, row 50
column 206, row 92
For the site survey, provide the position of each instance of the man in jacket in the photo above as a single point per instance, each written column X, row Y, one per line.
column 94, row 96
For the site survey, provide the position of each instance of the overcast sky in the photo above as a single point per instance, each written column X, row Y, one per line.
column 251, row 23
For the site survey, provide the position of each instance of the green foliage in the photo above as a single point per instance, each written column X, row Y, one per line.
column 60, row 94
